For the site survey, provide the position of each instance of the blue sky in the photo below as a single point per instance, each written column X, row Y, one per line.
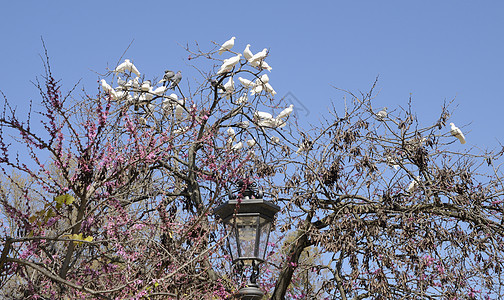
column 433, row 50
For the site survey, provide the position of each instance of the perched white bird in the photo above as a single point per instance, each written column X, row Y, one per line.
column 243, row 124
column 280, row 123
column 231, row 62
column 167, row 106
column 121, row 95
column 263, row 79
column 246, row 82
column 144, row 98
column 264, row 66
column 229, row 87
column 172, row 97
column 135, row 82
column 260, row 85
column 227, row 45
column 223, row 70
column 181, row 130
column 121, row 82
column 382, row 114
column 275, row 140
column 160, row 90
column 259, row 56
column 230, row 131
column 258, row 115
column 230, row 140
column 179, row 110
column 391, row 162
column 251, row 143
column 127, row 65
column 286, row 112
column 268, row 88
column 270, row 123
column 237, row 146
column 456, row 132
column 146, row 85
column 413, row 184
column 247, row 53
column 256, row 89
column 243, row 99
column 108, row 89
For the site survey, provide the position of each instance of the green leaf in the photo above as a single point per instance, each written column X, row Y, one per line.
column 67, row 199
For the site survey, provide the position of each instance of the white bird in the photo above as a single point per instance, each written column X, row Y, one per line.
column 144, row 98
column 251, row 143
column 391, row 162
column 243, row 99
column 268, row 88
column 167, row 106
column 173, row 97
column 243, row 124
column 237, row 146
column 229, row 87
column 230, row 131
column 121, row 82
column 260, row 85
column 259, row 56
column 230, row 62
column 286, row 112
column 127, row 65
column 258, row 115
column 181, row 130
column 246, row 82
column 280, row 123
column 106, row 87
column 247, row 53
column 135, row 82
column 413, row 184
column 122, row 95
column 160, row 90
column 264, row 66
column 223, row 70
column 275, row 140
column 179, row 110
column 270, row 123
column 456, row 132
column 146, row 85
column 263, row 79
column 256, row 89
column 382, row 114
column 227, row 45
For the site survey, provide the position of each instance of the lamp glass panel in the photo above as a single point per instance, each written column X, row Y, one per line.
column 233, row 243
column 247, row 235
column 264, row 231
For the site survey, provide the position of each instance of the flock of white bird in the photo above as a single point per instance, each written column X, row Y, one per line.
column 260, row 84
column 134, row 91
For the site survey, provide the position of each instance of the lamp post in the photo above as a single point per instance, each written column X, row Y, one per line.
column 248, row 222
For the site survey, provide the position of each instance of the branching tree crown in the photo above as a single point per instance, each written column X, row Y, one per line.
column 111, row 195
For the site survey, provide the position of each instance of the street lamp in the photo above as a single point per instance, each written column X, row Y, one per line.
column 248, row 222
